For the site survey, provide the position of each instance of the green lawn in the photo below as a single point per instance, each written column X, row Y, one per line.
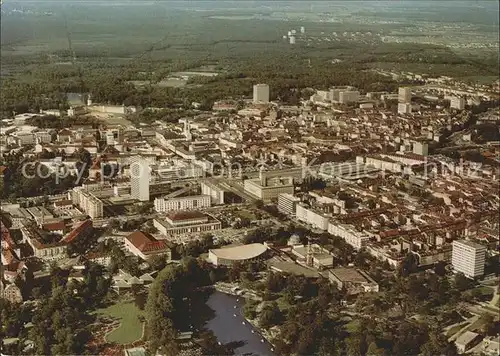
column 353, row 326
column 485, row 290
column 130, row 328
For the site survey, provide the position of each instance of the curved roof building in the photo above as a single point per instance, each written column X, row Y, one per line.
column 227, row 256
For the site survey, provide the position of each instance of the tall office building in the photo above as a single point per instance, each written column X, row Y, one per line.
column 404, row 95
column 139, row 179
column 468, row 257
column 261, row 93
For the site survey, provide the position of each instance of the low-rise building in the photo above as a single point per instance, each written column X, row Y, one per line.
column 353, row 280
column 186, row 222
column 227, row 256
column 353, row 237
column 313, row 255
column 55, row 249
column 312, row 217
column 466, row 341
column 12, row 293
column 182, row 203
column 145, row 246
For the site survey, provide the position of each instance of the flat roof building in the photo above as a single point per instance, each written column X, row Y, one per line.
column 139, row 179
column 469, row 258
column 287, row 203
column 182, row 203
column 186, row 222
column 353, row 280
column 261, row 93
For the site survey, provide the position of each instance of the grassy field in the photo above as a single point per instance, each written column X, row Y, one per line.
column 353, row 326
column 130, row 328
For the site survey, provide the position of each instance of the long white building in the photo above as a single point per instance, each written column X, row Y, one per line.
column 356, row 239
column 182, row 203
column 315, row 218
column 468, row 257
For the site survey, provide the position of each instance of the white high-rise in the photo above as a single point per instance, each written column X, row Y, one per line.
column 139, row 179
column 457, row 103
column 468, row 257
column 261, row 93
column 404, row 95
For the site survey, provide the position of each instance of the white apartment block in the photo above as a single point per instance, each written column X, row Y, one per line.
column 182, row 203
column 43, row 137
column 261, row 93
column 356, row 239
column 404, row 95
column 421, row 148
column 404, row 108
column 346, row 97
column 215, row 192
column 88, row 202
column 317, row 219
column 287, row 203
column 25, row 139
column 457, row 103
column 468, row 257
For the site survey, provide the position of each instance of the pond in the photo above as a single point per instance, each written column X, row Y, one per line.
column 229, row 325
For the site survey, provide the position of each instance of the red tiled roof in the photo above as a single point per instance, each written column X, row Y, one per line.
column 7, row 241
column 8, row 256
column 77, row 231
column 55, row 226
column 146, row 243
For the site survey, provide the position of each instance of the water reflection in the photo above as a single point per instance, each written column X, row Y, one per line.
column 229, row 326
